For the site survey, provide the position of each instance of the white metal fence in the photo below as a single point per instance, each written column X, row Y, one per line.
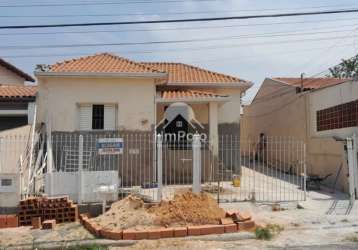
column 265, row 169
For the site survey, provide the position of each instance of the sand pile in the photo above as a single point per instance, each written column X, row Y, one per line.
column 188, row 209
column 126, row 213
column 185, row 209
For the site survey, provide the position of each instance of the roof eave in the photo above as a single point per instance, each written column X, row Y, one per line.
column 16, row 70
column 101, row 74
column 194, row 100
column 240, row 85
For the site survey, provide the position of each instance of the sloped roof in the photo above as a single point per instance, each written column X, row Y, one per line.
column 181, row 74
column 101, row 63
column 16, row 70
column 188, row 94
column 312, row 83
column 15, row 91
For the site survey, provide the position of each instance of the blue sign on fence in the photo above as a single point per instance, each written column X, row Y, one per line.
column 110, row 146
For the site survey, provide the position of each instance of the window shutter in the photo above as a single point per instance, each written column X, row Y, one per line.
column 109, row 117
column 85, row 117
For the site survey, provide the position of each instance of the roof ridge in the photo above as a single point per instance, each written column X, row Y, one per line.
column 112, row 55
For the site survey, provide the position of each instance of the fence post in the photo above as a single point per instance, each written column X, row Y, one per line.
column 196, row 164
column 160, row 166
column 350, row 156
column 80, row 169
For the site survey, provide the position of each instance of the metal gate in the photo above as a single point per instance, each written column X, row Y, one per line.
column 154, row 167
column 269, row 169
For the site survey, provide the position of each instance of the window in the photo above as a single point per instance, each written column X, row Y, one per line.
column 6, row 182
column 98, row 117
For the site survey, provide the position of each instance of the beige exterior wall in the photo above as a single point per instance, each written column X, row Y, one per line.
column 329, row 97
column 60, row 97
column 7, row 77
column 281, row 116
column 278, row 111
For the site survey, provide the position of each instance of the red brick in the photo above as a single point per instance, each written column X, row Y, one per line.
column 231, row 228
column 12, row 221
column 212, row 229
column 244, row 216
column 36, row 222
column 246, row 225
column 180, row 231
column 2, row 221
column 141, row 235
column 166, row 233
column 194, row 230
column 129, row 235
column 226, row 221
column 49, row 224
column 154, row 234
column 112, row 235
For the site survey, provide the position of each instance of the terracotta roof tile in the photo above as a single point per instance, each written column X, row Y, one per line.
column 14, row 91
column 188, row 94
column 104, row 63
column 312, row 83
column 180, row 73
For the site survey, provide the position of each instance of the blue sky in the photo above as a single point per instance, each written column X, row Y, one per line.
column 262, row 48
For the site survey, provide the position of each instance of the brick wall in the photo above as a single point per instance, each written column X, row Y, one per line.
column 340, row 116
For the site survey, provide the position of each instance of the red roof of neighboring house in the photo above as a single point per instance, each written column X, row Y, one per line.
column 15, row 91
column 180, row 73
column 187, row 94
column 16, row 70
column 104, row 63
column 312, row 83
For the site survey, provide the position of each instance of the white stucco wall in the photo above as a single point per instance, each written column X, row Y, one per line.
column 60, row 97
column 7, row 77
column 330, row 97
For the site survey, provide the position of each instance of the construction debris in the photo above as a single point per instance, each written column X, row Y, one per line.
column 60, row 209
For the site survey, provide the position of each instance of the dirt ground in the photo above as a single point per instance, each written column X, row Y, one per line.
column 27, row 236
column 185, row 209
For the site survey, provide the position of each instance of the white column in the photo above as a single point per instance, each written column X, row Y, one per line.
column 350, row 156
column 160, row 166
column 196, row 164
column 80, row 169
column 213, row 127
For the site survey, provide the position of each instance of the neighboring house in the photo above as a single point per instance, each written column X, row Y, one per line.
column 16, row 99
column 312, row 110
column 107, row 92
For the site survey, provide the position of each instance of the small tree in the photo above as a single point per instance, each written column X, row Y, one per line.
column 348, row 68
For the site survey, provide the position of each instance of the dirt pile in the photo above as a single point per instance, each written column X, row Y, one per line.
column 188, row 209
column 126, row 213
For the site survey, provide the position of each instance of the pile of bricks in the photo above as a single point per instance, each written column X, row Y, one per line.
column 8, row 221
column 233, row 223
column 60, row 209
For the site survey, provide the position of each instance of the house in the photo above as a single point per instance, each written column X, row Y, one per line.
column 313, row 110
column 16, row 99
column 107, row 92
column 105, row 95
